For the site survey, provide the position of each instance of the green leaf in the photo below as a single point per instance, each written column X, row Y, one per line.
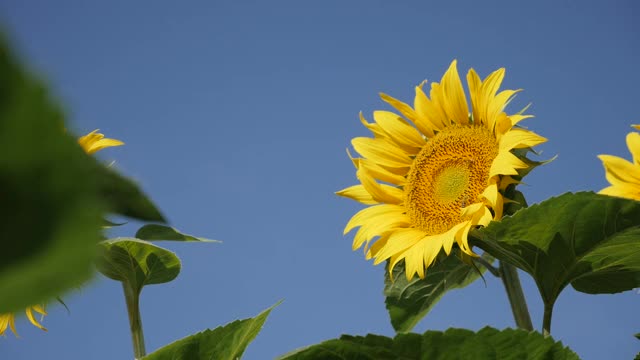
column 587, row 240
column 409, row 301
column 487, row 343
column 226, row 342
column 50, row 209
column 124, row 197
column 137, row 262
column 153, row 232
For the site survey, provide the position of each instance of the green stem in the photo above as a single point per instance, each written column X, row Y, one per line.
column 135, row 322
column 511, row 282
column 546, row 320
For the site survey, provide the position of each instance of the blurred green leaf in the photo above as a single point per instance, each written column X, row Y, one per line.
column 124, row 197
column 587, row 240
column 409, row 301
column 50, row 208
column 488, row 343
column 137, row 263
column 227, row 342
column 154, row 232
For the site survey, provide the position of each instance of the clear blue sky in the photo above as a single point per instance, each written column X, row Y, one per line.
column 236, row 116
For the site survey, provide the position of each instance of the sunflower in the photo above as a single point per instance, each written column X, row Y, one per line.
column 624, row 176
column 90, row 143
column 437, row 171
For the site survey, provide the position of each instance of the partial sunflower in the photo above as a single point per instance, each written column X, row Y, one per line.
column 430, row 179
column 94, row 142
column 624, row 176
column 90, row 143
column 8, row 320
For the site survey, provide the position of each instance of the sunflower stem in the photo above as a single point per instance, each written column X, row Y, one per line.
column 511, row 282
column 132, row 299
column 546, row 320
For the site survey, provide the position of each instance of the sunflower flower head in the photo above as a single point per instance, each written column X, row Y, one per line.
column 436, row 170
column 624, row 176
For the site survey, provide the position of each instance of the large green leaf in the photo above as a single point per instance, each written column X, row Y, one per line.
column 124, row 197
column 50, row 208
column 587, row 240
column 487, row 343
column 137, row 263
column 227, row 342
column 154, row 232
column 409, row 301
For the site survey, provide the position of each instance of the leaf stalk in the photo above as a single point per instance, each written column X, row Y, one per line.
column 511, row 282
column 132, row 299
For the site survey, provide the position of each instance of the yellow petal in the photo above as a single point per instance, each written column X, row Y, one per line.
column 628, row 192
column 506, row 164
column 633, row 143
column 378, row 226
column 4, row 322
column 619, row 171
column 32, row 319
column 455, row 102
column 496, row 106
column 520, row 138
column 95, row 141
column 357, row 193
column 431, row 117
column 380, row 192
column 374, row 128
column 402, row 107
column 399, row 241
column 401, row 132
column 382, row 174
column 371, row 212
column 381, row 151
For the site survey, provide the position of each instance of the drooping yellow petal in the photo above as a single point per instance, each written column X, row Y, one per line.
column 357, row 193
column 402, row 133
column 506, row 164
column 380, row 173
column 381, row 151
column 619, row 171
column 371, row 212
column 379, row 192
column 32, row 319
column 496, row 106
column 379, row 225
column 633, row 143
column 377, row 131
column 399, row 241
column 623, row 191
column 95, row 141
column 520, row 138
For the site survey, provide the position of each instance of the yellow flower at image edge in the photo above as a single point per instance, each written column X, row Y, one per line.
column 8, row 320
column 429, row 180
column 94, row 141
column 91, row 143
column 624, row 176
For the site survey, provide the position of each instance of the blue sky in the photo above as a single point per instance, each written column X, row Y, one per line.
column 236, row 116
